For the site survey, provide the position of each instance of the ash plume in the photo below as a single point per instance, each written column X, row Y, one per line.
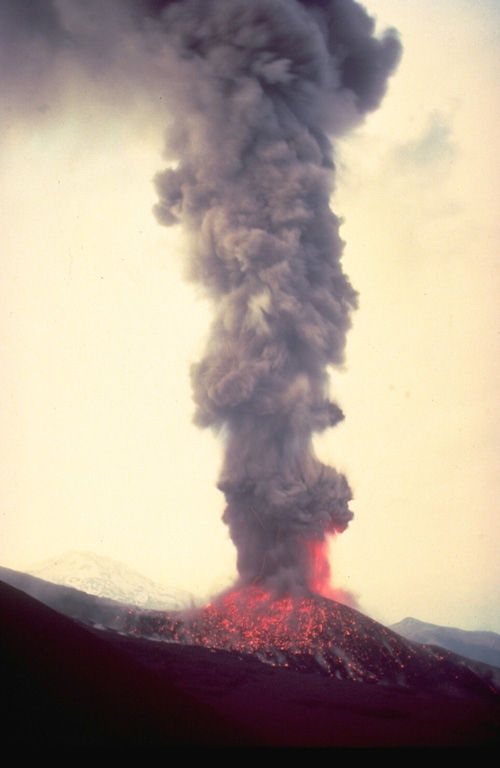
column 268, row 85
column 258, row 91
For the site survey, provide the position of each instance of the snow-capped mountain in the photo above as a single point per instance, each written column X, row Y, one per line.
column 480, row 646
column 105, row 577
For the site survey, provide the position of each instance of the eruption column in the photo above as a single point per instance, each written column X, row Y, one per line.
column 266, row 85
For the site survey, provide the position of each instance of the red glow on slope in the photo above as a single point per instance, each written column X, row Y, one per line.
column 253, row 619
column 307, row 633
column 292, row 631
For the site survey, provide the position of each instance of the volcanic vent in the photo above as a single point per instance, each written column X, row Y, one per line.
column 265, row 86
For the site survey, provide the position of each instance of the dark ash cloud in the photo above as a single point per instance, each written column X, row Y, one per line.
column 266, row 87
column 258, row 92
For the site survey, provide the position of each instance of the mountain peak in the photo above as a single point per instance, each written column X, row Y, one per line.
column 103, row 576
column 474, row 644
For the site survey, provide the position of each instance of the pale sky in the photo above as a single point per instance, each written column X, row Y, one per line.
column 98, row 330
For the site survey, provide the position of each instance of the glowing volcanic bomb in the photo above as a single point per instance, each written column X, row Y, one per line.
column 315, row 635
column 263, row 86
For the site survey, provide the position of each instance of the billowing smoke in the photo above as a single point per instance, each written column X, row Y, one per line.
column 259, row 88
column 268, row 83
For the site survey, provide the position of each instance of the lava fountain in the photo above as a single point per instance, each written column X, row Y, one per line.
column 264, row 87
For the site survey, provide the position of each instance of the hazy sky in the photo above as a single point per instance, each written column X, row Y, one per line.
column 98, row 331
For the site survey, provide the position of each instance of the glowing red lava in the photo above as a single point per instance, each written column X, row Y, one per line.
column 310, row 633
column 320, row 577
column 252, row 620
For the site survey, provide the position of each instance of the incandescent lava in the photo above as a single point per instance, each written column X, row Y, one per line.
column 312, row 633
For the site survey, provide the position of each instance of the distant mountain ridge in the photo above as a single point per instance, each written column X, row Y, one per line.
column 104, row 577
column 477, row 645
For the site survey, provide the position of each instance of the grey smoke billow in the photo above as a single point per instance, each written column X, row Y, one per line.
column 269, row 84
column 260, row 89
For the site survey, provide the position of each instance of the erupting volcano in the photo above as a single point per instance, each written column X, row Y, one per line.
column 266, row 86
column 253, row 96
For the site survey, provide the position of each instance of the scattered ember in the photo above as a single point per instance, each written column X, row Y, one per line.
column 309, row 633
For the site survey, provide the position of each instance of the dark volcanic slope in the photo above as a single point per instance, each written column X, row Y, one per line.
column 67, row 683
column 285, row 707
column 62, row 683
